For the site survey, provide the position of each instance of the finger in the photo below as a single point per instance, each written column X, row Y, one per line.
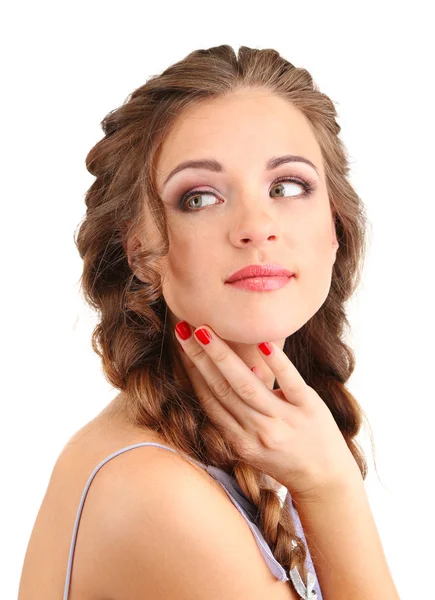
column 234, row 370
column 290, row 381
column 231, row 380
column 217, row 412
column 218, row 386
column 257, row 371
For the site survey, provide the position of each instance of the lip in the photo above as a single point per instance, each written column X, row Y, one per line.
column 261, row 284
column 264, row 271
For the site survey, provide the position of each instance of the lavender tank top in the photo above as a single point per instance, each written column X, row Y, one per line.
column 311, row 591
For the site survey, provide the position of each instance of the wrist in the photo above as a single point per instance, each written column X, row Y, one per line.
column 329, row 489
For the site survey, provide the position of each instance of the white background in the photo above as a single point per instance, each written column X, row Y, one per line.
column 64, row 67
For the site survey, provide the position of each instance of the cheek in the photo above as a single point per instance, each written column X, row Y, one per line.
column 322, row 245
column 191, row 283
column 190, row 259
column 315, row 241
column 315, row 256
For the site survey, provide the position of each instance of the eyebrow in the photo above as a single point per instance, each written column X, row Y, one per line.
column 213, row 165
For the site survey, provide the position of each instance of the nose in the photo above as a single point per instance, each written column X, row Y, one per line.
column 255, row 228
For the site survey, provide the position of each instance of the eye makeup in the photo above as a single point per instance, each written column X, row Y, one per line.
column 309, row 185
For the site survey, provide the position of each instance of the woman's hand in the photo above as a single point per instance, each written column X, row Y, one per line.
column 288, row 433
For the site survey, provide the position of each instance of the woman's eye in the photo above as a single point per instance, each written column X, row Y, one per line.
column 283, row 184
column 283, row 189
column 193, row 200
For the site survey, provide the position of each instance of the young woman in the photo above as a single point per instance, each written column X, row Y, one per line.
column 221, row 241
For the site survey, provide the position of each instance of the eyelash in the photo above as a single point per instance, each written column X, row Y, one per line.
column 309, row 186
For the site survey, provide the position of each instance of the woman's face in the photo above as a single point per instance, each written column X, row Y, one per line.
column 243, row 216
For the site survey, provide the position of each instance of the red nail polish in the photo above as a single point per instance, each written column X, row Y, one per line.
column 183, row 330
column 266, row 348
column 203, row 336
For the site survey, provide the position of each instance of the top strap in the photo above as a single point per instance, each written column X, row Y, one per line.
column 85, row 492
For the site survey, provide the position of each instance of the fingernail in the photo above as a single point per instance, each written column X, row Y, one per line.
column 203, row 336
column 183, row 330
column 266, row 348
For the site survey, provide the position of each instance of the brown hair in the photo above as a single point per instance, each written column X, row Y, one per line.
column 139, row 355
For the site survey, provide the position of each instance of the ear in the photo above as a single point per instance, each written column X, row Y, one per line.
column 130, row 244
column 133, row 244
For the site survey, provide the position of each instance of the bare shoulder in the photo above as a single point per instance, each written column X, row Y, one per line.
column 162, row 527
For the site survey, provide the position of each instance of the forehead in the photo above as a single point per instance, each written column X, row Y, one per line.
column 242, row 131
